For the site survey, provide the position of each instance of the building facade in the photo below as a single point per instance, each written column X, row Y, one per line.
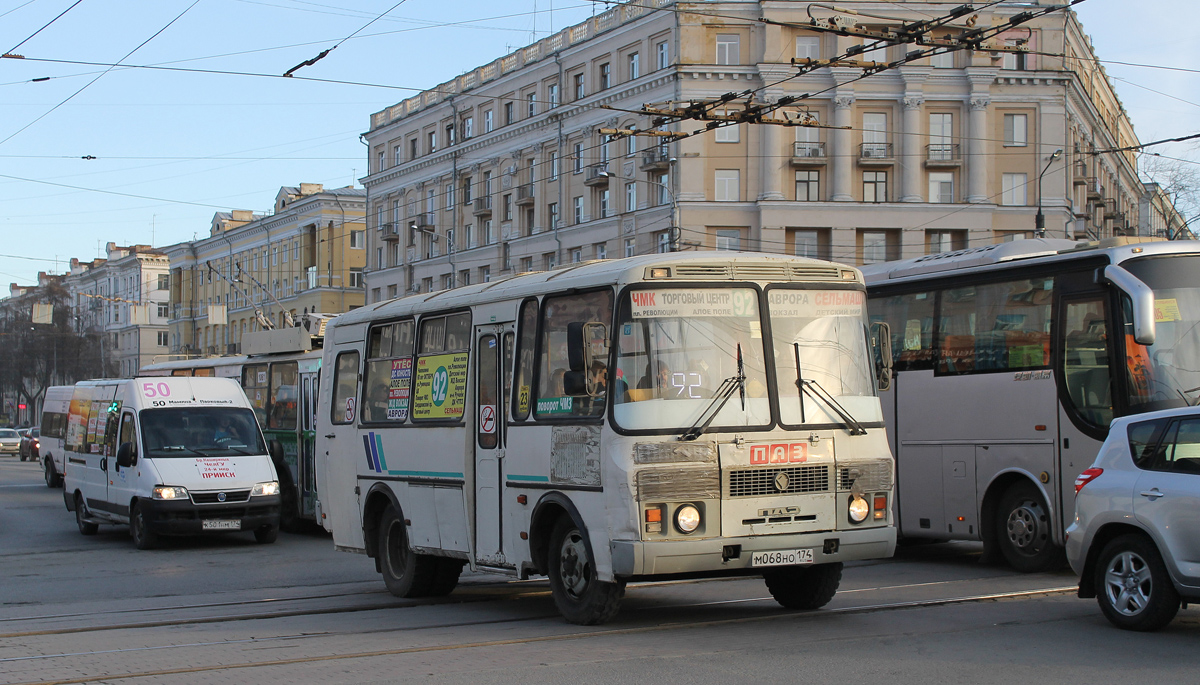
column 258, row 270
column 505, row 169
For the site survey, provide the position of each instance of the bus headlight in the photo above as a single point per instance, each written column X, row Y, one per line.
column 860, row 509
column 687, row 519
column 170, row 492
column 269, row 488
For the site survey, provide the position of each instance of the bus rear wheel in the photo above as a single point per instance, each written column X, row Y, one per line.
column 804, row 587
column 580, row 597
column 1023, row 530
column 406, row 573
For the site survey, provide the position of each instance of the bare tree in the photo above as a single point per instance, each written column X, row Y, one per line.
column 1179, row 180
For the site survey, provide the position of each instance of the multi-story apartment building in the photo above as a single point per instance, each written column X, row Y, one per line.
column 123, row 298
column 253, row 270
column 504, row 169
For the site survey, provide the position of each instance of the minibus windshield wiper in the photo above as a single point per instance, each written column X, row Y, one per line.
column 720, row 397
column 813, row 388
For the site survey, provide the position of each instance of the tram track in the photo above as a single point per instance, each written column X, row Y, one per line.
column 579, row 635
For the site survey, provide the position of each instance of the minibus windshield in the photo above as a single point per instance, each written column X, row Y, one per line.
column 200, row 431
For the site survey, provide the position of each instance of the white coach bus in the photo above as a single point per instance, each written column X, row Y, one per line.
column 1010, row 361
column 666, row 416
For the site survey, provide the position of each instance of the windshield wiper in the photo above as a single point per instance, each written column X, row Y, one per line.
column 181, row 448
column 815, row 389
column 720, row 397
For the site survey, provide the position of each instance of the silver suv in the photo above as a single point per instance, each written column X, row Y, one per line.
column 1135, row 542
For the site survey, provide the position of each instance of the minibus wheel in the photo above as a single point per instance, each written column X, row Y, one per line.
column 580, row 597
column 139, row 527
column 85, row 527
column 53, row 480
column 406, row 573
column 804, row 587
column 266, row 535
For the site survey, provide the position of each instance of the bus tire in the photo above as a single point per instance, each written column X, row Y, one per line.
column 1023, row 530
column 53, row 480
column 445, row 578
column 580, row 597
column 139, row 528
column 85, row 527
column 804, row 587
column 406, row 573
column 266, row 535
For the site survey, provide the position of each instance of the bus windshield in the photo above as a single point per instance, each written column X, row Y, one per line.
column 675, row 348
column 1167, row 373
column 825, row 330
column 200, row 431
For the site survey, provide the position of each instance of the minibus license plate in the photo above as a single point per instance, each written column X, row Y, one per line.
column 223, row 524
column 787, row 557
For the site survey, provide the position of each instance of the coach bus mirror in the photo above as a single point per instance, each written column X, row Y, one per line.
column 1142, row 299
column 881, row 334
column 576, row 358
column 125, row 454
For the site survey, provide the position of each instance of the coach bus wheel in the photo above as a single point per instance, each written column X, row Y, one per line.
column 1023, row 530
column 406, row 573
column 139, row 528
column 579, row 596
column 804, row 587
column 85, row 527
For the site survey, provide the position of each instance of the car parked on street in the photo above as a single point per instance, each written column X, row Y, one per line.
column 10, row 441
column 1135, row 542
column 30, row 442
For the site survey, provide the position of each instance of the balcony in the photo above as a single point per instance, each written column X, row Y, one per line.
column 525, row 196
column 1094, row 190
column 389, row 232
column 656, row 159
column 483, row 206
column 597, row 175
column 808, row 154
column 943, row 155
column 1081, row 177
column 876, row 154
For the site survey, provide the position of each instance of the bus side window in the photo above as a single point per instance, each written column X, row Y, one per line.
column 389, row 373
column 525, row 353
column 256, row 383
column 284, row 393
column 556, row 379
column 910, row 318
column 1085, row 360
column 345, row 388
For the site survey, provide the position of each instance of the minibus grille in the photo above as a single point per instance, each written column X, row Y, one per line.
column 214, row 497
column 678, row 484
column 765, row 482
column 866, row 476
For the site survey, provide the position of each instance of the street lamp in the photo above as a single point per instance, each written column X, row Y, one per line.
column 1040, row 222
column 674, row 228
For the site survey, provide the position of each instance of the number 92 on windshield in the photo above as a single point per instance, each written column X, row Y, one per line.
column 786, row 557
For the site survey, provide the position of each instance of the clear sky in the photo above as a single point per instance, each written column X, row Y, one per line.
column 172, row 147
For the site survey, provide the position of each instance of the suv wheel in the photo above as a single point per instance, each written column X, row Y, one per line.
column 1132, row 585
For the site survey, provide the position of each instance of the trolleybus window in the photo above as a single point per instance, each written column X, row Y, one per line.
column 995, row 327
column 389, row 372
column 345, row 388
column 1167, row 373
column 677, row 347
column 285, row 392
column 528, row 332
column 562, row 390
column 256, row 383
column 439, row 386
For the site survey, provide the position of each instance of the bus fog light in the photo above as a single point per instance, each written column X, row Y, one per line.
column 170, row 492
column 860, row 509
column 268, row 488
column 687, row 519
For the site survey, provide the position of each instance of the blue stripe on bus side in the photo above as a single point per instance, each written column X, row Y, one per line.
column 380, row 457
column 367, row 449
column 534, row 479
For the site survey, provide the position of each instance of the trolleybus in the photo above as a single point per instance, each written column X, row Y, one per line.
column 1010, row 361
column 655, row 417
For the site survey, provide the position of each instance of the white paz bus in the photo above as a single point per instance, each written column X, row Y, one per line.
column 1010, row 361
column 666, row 416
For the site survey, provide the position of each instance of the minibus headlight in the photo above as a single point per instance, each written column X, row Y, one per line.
column 170, row 492
column 687, row 519
column 269, row 488
column 860, row 509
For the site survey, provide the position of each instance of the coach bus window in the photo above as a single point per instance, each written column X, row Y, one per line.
column 389, row 373
column 345, row 388
column 525, row 351
column 825, row 330
column 562, row 391
column 285, row 393
column 1085, row 361
column 910, row 318
column 439, row 385
column 255, row 381
column 1167, row 373
column 995, row 327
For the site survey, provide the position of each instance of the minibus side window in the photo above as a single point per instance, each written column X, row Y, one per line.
column 562, row 391
column 388, row 373
column 345, row 388
column 525, row 351
column 439, row 388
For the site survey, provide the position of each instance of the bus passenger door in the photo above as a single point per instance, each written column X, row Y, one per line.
column 491, row 363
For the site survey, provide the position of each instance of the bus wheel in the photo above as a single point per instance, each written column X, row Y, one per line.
column 579, row 596
column 53, row 480
column 804, row 587
column 445, row 577
column 1023, row 530
column 406, row 573
column 139, row 528
column 85, row 527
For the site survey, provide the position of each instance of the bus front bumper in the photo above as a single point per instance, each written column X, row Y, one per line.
column 716, row 555
column 186, row 518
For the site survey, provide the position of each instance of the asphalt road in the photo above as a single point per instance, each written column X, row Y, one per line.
column 77, row 609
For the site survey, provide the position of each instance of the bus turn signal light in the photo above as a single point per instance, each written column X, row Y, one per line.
column 654, row 515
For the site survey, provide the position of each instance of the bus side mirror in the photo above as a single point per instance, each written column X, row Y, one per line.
column 881, row 340
column 586, row 343
column 1140, row 296
column 125, row 455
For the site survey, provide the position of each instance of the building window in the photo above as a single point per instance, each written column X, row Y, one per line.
column 664, row 193
column 391, row 291
column 605, row 148
column 875, row 135
column 941, row 187
column 602, row 198
column 164, row 310
column 944, row 241
column 630, row 247
column 728, row 239
column 464, row 277
column 163, row 338
column 808, row 186
column 450, row 242
column 578, row 209
column 600, row 250
column 549, row 260
column 942, row 60
column 489, row 235
column 551, row 95
column 1013, row 187
column 1013, row 60
column 376, row 295
column 662, row 242
column 397, row 154
column 577, row 158
column 358, row 241
column 630, row 197
column 1015, row 130
column 576, row 255
column 508, row 113
column 634, row 66
column 379, row 166
column 164, row 281
column 605, row 76
column 427, row 284
column 806, row 243
column 729, row 133
column 729, row 48
column 507, row 205
column 874, row 186
column 274, row 256
column 468, row 127
column 553, row 167
column 447, row 281
column 488, row 122
column 874, row 246
column 662, row 52
column 941, row 135
column 412, row 148
column 808, row 47
column 578, row 81
column 356, row 277
column 485, row 274
column 531, row 104
column 727, row 185
column 449, row 134
column 432, row 141
column 552, row 214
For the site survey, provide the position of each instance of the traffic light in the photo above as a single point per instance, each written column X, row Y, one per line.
column 21, row 406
